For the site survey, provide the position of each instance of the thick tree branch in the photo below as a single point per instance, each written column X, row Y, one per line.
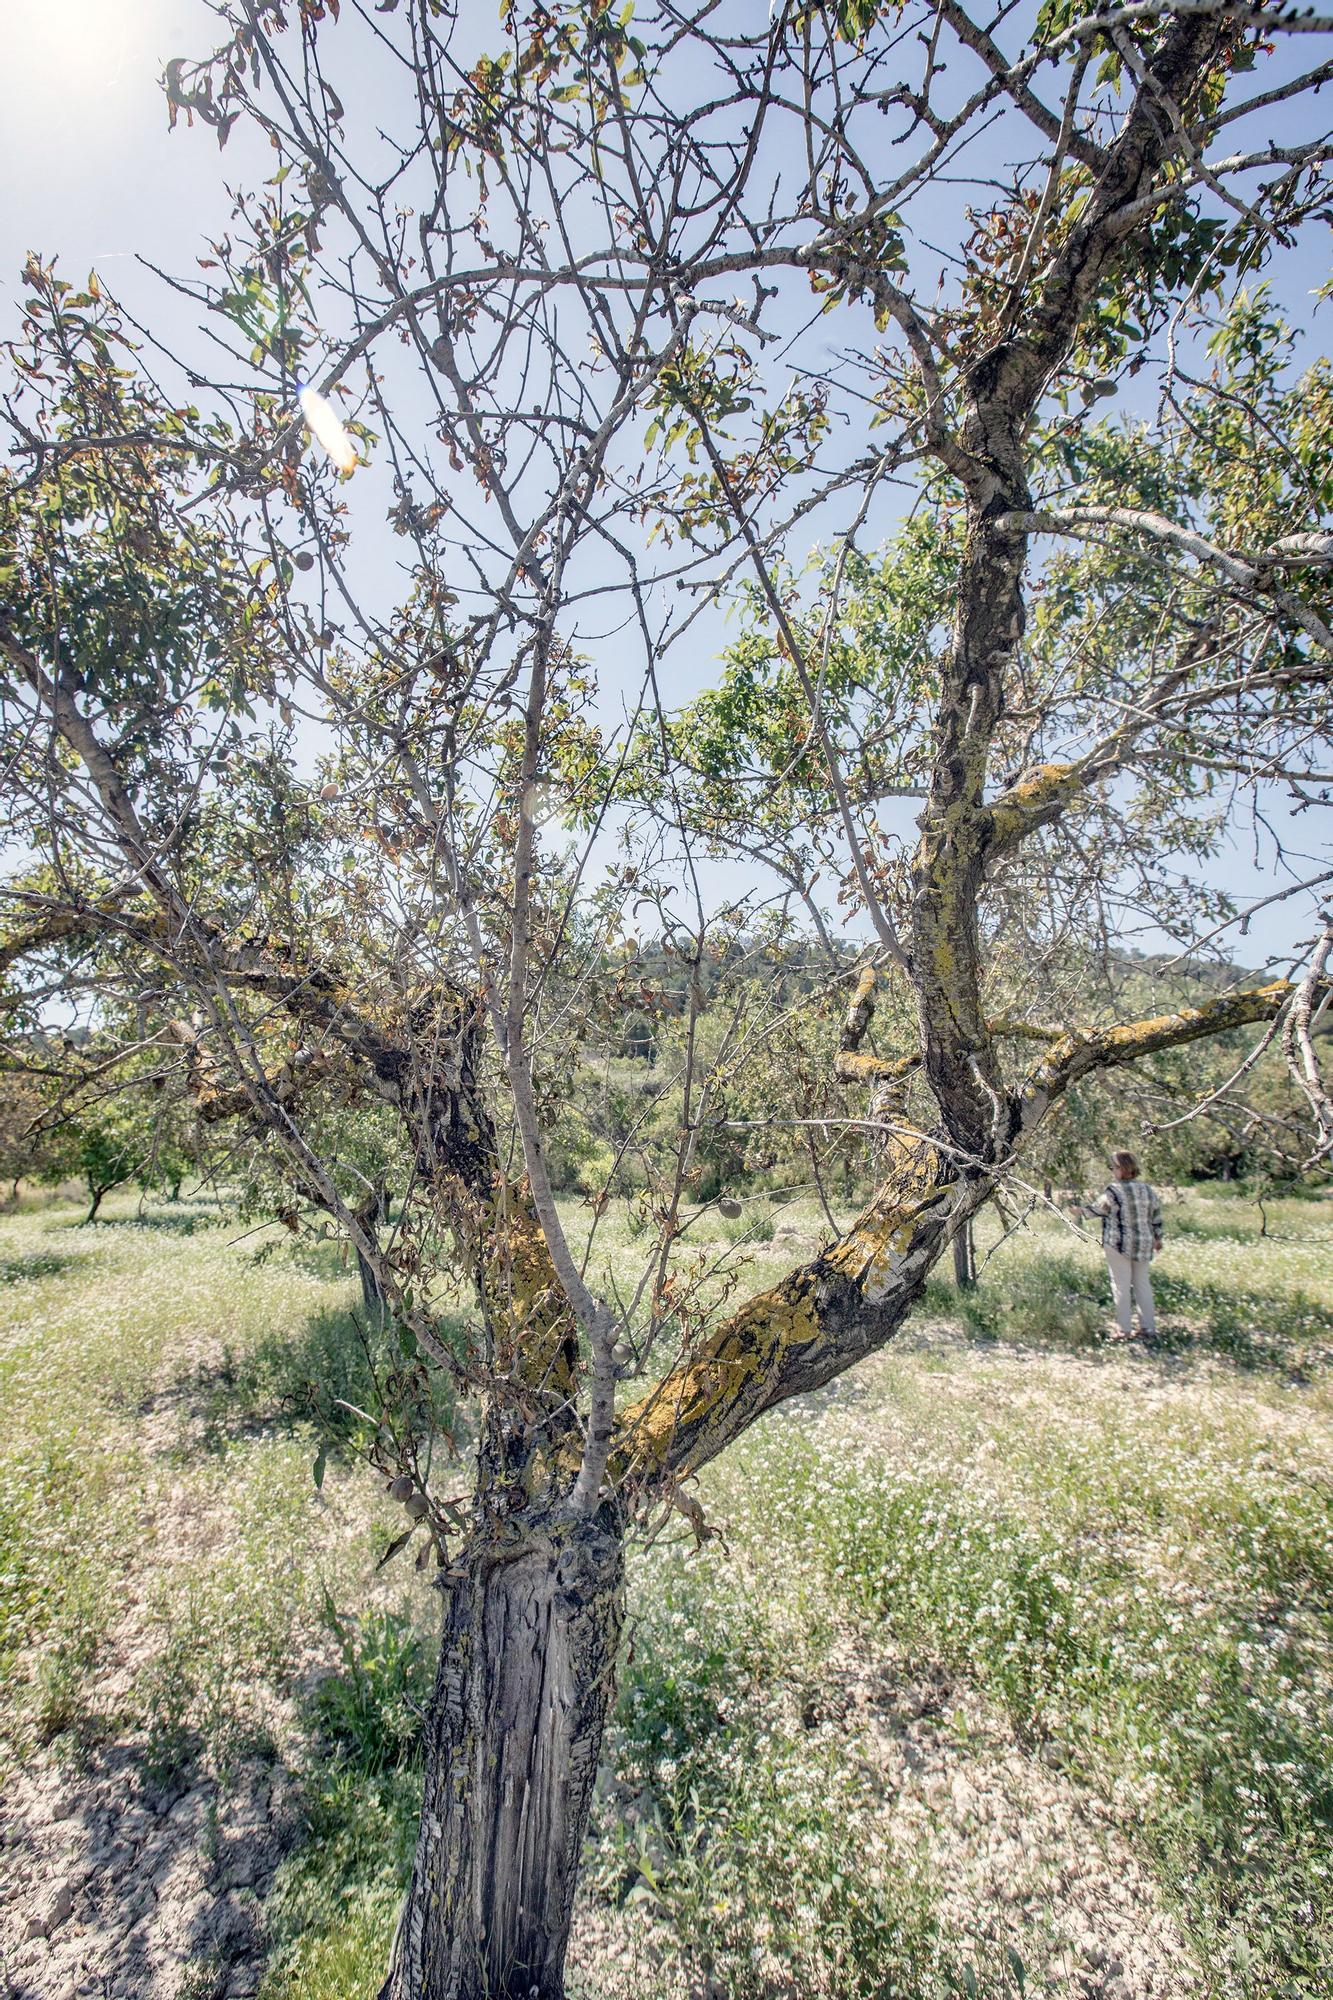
column 1081, row 1051
column 801, row 1332
column 1251, row 573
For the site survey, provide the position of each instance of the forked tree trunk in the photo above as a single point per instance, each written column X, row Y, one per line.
column 527, row 1668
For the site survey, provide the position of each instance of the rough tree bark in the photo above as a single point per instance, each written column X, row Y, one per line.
column 965, row 1257
column 370, row 1216
column 527, row 1666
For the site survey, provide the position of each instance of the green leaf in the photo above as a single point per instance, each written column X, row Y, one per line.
column 321, row 1460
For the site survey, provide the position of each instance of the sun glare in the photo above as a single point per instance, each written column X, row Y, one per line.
column 81, row 56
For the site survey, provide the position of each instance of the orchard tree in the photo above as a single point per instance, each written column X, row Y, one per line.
column 103, row 1147
column 104, row 1112
column 21, row 1153
column 354, row 721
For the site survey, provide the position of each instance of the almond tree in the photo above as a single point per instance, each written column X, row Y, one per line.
column 608, row 320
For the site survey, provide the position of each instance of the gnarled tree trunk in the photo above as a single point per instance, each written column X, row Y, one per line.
column 527, row 1669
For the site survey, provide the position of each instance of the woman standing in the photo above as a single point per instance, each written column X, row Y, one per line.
column 1131, row 1235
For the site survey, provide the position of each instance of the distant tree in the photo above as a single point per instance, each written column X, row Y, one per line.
column 176, row 1147
column 545, row 306
column 21, row 1106
column 103, row 1146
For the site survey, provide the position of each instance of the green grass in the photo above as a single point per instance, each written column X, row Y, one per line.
column 330, row 1919
column 1261, row 1302
column 1123, row 1561
column 160, row 1576
column 1010, row 1560
column 753, row 1838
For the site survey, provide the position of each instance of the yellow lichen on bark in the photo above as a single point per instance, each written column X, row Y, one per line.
column 749, row 1346
column 1078, row 1051
column 859, row 1066
column 865, row 987
column 1141, row 1037
column 1015, row 810
column 1005, row 1028
column 530, row 1319
column 746, row 1360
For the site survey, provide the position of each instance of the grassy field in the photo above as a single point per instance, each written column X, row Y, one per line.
column 1010, row 1672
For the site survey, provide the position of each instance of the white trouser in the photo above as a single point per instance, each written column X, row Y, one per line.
column 1132, row 1285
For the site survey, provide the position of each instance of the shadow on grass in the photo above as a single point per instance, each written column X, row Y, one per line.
column 1284, row 1332
column 1240, row 1228
column 1057, row 1302
column 1043, row 1301
column 36, row 1264
column 308, row 1376
column 1283, row 1215
column 175, row 1218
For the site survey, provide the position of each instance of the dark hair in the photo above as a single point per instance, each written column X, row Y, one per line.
column 1125, row 1165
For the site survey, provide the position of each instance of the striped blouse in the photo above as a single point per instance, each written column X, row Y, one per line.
column 1131, row 1218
